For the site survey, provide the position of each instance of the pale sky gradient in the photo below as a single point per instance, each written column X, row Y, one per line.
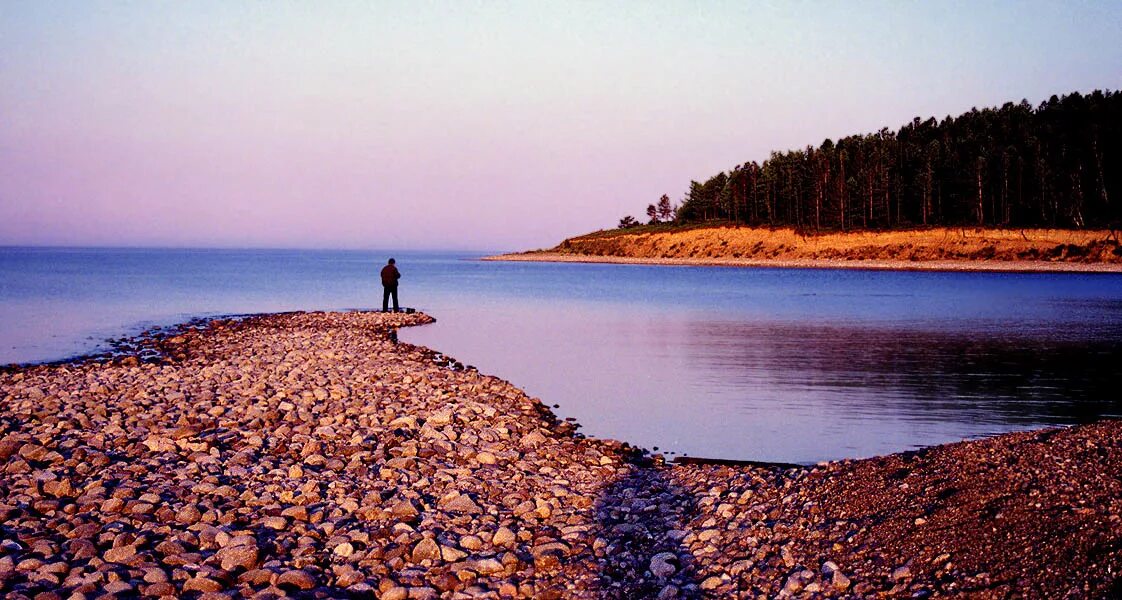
column 469, row 125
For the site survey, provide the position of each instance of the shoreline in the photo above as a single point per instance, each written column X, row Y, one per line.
column 308, row 453
column 980, row 266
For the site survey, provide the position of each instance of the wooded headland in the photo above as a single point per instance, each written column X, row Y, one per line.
column 1016, row 187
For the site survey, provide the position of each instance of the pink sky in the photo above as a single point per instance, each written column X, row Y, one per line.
column 498, row 126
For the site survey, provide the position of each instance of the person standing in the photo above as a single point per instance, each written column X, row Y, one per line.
column 390, row 275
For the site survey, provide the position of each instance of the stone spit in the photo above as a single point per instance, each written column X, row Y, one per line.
column 309, row 455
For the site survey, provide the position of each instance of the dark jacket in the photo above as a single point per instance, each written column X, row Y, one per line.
column 390, row 275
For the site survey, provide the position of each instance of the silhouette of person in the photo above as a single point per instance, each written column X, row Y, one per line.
column 390, row 275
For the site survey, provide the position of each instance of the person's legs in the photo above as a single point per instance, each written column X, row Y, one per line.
column 386, row 298
column 395, row 307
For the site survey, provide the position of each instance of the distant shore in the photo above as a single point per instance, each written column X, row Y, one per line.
column 874, row 265
column 941, row 249
column 309, row 454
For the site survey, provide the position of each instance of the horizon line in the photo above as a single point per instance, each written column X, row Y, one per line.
column 5, row 246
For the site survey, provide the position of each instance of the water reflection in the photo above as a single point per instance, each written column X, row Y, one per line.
column 788, row 391
column 1015, row 377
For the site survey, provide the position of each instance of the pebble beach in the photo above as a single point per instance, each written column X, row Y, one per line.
column 311, row 455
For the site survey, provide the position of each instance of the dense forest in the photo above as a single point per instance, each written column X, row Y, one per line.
column 1056, row 165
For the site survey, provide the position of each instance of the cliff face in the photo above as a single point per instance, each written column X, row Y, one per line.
column 727, row 242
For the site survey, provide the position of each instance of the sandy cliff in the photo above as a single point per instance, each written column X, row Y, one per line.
column 916, row 245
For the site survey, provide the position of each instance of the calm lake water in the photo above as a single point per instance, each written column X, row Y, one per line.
column 763, row 364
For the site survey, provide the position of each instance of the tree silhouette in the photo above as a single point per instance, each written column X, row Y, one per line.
column 1056, row 165
column 664, row 210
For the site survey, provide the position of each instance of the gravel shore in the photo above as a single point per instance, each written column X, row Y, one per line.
column 310, row 455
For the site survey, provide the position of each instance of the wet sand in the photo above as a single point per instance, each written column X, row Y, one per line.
column 1001, row 266
column 310, row 455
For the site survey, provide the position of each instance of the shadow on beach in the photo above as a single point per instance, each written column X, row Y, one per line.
column 643, row 518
